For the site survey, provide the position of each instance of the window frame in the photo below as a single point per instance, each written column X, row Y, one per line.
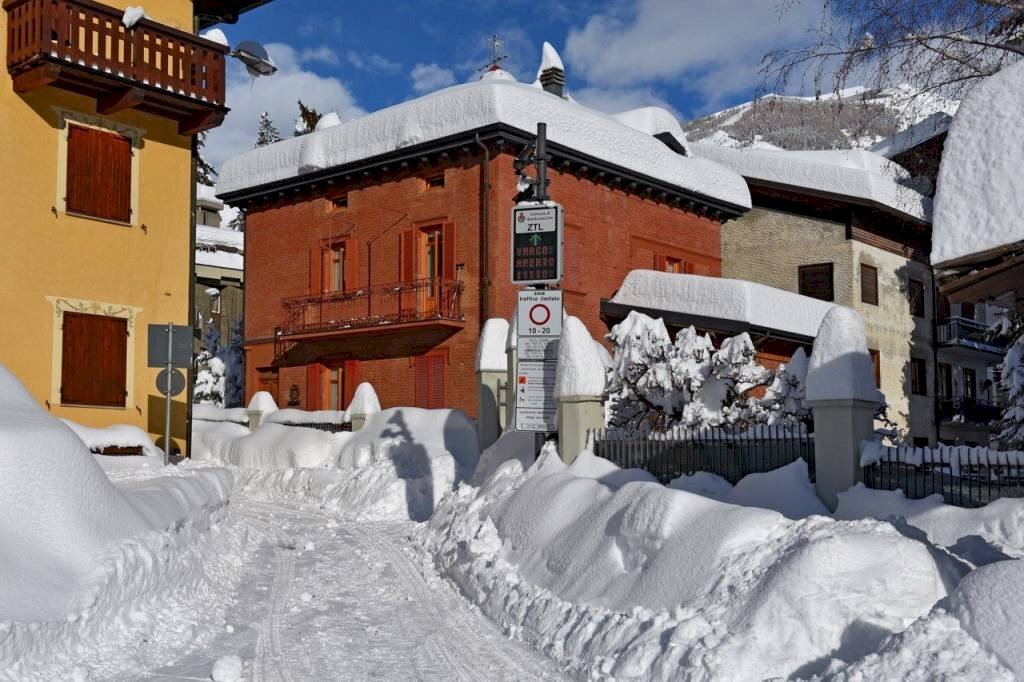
column 917, row 302
column 866, row 269
column 809, row 268
column 434, row 180
column 918, row 378
column 876, row 362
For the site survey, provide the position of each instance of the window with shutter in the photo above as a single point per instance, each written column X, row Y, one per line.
column 918, row 376
column 99, row 174
column 915, row 292
column 816, row 281
column 868, row 284
column 430, row 380
column 876, row 365
column 94, row 360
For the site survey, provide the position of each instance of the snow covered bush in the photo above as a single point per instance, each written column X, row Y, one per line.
column 219, row 374
column 1011, row 384
column 655, row 384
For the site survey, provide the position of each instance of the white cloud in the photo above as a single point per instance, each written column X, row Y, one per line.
column 372, row 62
column 277, row 95
column 714, row 48
column 320, row 54
column 429, row 77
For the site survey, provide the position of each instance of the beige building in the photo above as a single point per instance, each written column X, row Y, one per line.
column 835, row 226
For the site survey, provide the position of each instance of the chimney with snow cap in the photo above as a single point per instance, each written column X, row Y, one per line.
column 551, row 73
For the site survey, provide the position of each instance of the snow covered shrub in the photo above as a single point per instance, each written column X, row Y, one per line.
column 209, row 389
column 655, row 384
column 1011, row 384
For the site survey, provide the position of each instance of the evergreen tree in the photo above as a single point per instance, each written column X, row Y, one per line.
column 206, row 173
column 267, row 132
column 209, row 388
column 1011, row 384
column 238, row 222
column 308, row 118
column 234, row 368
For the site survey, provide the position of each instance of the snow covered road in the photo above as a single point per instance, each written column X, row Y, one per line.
column 324, row 600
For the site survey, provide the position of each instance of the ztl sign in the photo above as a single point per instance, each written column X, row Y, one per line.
column 537, row 243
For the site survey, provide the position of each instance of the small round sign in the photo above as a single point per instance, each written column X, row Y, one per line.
column 177, row 382
column 540, row 314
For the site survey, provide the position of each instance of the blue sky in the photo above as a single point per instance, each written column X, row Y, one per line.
column 690, row 56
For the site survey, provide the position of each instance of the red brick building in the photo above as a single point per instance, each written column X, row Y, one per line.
column 377, row 249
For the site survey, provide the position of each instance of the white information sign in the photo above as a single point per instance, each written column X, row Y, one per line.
column 539, row 313
column 535, row 396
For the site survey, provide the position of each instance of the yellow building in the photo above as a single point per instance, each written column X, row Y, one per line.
column 98, row 117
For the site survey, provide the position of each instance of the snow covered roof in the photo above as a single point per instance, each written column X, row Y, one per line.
column 464, row 108
column 920, row 132
column 979, row 199
column 655, row 121
column 853, row 173
column 219, row 247
column 736, row 300
column 220, row 237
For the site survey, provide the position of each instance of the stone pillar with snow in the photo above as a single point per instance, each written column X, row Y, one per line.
column 364, row 403
column 842, row 395
column 579, row 388
column 261, row 404
column 491, row 372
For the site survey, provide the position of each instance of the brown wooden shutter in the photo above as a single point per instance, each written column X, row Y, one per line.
column 448, row 244
column 408, row 255
column 314, row 386
column 99, row 174
column 351, row 380
column 316, row 268
column 94, row 360
column 817, row 281
column 351, row 265
column 868, row 284
column 660, row 262
column 437, row 363
column 422, row 368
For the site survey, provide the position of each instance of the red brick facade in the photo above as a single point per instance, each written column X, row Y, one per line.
column 609, row 231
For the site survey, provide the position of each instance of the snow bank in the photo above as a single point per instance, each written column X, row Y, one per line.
column 982, row 535
column 840, row 366
column 467, row 107
column 987, row 603
column 787, row 490
column 212, row 413
column 853, row 173
column 979, row 199
column 638, row 580
column 119, row 435
column 293, row 416
column 275, row 446
column 210, row 439
column 490, row 349
column 261, row 400
column 580, row 367
column 728, row 299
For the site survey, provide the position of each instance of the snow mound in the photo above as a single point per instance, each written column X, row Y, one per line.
column 979, row 197
column 209, row 439
column 580, row 367
column 328, row 120
column 639, row 580
column 227, row 669
column 840, row 367
column 853, row 173
column 787, row 490
column 275, row 446
column 987, row 603
column 549, row 59
column 655, row 121
column 364, row 401
column 261, row 400
column 132, row 15
column 490, row 350
column 119, row 435
column 463, row 108
column 730, row 299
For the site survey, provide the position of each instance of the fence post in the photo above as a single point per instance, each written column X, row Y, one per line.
column 489, row 420
column 255, row 417
column 357, row 421
column 577, row 414
column 840, row 426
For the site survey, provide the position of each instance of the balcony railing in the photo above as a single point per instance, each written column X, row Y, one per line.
column 387, row 304
column 83, row 45
column 959, row 331
column 965, row 410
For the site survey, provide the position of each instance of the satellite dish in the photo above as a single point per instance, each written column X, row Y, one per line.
column 254, row 56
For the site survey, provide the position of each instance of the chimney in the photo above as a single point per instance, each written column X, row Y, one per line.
column 553, row 80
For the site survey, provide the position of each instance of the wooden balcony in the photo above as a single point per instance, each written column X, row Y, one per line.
column 82, row 46
column 390, row 320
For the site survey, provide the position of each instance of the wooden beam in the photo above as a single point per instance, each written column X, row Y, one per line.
column 119, row 100
column 197, row 123
column 39, row 77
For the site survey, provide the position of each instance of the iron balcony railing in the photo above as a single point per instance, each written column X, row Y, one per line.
column 968, row 410
column 367, row 307
column 959, row 331
column 88, row 34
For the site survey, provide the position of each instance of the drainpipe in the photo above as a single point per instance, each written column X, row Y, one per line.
column 485, row 215
column 936, row 411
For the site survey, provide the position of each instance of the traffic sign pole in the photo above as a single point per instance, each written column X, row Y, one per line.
column 167, row 398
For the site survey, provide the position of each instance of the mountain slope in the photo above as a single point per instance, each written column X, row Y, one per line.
column 856, row 118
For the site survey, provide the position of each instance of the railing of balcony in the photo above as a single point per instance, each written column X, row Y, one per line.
column 387, row 304
column 959, row 331
column 91, row 34
column 968, row 410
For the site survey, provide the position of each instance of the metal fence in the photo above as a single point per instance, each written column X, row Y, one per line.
column 330, row 427
column 965, row 477
column 731, row 453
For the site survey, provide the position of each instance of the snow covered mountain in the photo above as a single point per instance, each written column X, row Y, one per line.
column 855, row 118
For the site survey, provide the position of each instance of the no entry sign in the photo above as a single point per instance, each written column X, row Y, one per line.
column 537, row 243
